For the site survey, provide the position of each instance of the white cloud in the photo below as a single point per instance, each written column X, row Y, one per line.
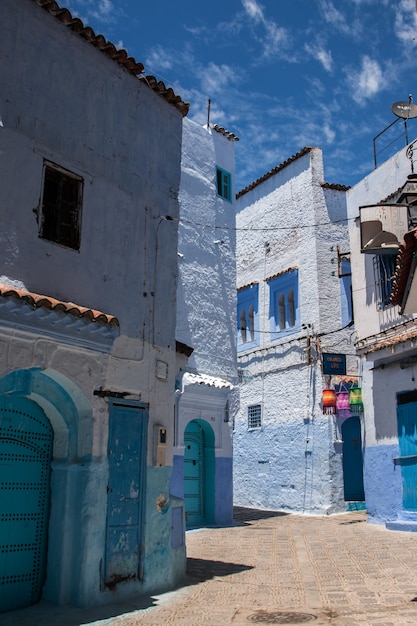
column 321, row 55
column 254, row 10
column 406, row 20
column 275, row 38
column 368, row 81
column 159, row 58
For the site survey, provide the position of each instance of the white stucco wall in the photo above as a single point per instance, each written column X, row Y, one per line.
column 206, row 305
column 294, row 461
column 380, row 184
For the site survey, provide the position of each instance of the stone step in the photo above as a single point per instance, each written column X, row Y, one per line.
column 403, row 525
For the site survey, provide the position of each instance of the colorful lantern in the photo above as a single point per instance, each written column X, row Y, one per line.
column 355, row 400
column 329, row 401
column 343, row 404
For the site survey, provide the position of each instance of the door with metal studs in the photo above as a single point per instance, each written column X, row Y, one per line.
column 26, row 438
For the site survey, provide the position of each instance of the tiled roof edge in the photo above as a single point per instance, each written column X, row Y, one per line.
column 275, row 170
column 120, row 56
column 226, row 133
column 39, row 301
column 336, row 187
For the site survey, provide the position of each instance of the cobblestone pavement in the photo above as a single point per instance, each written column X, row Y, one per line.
column 272, row 568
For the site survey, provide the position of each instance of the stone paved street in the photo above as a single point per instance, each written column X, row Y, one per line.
column 272, row 568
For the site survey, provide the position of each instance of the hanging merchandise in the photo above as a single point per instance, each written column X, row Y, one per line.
column 329, row 401
column 355, row 400
column 343, row 403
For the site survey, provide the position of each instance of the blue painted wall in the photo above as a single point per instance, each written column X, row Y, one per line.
column 164, row 564
column 383, row 483
column 223, row 493
column 291, row 466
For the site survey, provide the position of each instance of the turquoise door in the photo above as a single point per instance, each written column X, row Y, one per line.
column 26, row 437
column 194, row 475
column 407, row 439
column 125, row 492
column 352, row 460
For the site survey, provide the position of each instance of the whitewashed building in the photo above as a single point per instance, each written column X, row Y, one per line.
column 382, row 222
column 206, row 319
column 90, row 168
column 295, row 340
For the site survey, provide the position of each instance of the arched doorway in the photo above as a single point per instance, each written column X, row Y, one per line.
column 199, row 473
column 352, row 460
column 26, row 439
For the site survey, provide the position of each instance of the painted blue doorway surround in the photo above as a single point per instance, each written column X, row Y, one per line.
column 26, row 439
column 126, row 490
column 199, row 465
column 407, row 439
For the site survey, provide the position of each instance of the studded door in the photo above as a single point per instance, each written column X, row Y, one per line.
column 26, row 439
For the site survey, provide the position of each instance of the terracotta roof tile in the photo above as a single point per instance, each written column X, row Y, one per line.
column 39, row 301
column 120, row 56
column 275, row 170
column 336, row 187
column 403, row 266
column 226, row 133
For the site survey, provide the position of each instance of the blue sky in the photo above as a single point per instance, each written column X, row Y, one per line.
column 280, row 74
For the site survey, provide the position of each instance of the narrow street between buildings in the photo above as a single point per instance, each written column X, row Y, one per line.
column 273, row 568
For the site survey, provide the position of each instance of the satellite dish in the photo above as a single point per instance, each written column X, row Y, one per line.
column 406, row 110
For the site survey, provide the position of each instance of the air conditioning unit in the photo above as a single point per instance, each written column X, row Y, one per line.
column 383, row 227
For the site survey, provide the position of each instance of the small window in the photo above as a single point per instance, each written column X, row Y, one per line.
column 254, row 416
column 384, row 269
column 247, row 316
column 224, row 184
column 283, row 304
column 61, row 206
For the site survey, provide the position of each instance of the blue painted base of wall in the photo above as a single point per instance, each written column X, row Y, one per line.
column 223, row 487
column 383, row 484
column 291, row 466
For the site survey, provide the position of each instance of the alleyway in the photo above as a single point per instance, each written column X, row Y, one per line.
column 272, row 568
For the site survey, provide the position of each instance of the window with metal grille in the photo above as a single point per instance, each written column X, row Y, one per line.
column 61, row 206
column 384, row 269
column 254, row 416
column 224, row 184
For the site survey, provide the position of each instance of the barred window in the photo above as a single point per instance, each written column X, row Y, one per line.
column 384, row 269
column 61, row 206
column 254, row 416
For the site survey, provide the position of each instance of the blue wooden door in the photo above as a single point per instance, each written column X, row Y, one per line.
column 125, row 500
column 194, row 475
column 26, row 438
column 407, row 439
column 352, row 460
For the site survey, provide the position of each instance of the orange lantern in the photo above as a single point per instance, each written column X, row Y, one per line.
column 329, row 401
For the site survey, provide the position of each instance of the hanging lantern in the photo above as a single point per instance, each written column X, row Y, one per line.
column 355, row 400
column 343, row 404
column 329, row 401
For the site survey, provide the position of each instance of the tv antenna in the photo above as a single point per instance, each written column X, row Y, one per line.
column 403, row 110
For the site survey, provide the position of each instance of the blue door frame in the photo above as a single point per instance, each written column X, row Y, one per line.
column 199, row 472
column 352, row 460
column 407, row 440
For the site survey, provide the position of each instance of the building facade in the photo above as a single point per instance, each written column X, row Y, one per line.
column 382, row 240
column 294, row 449
column 206, row 318
column 89, row 218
